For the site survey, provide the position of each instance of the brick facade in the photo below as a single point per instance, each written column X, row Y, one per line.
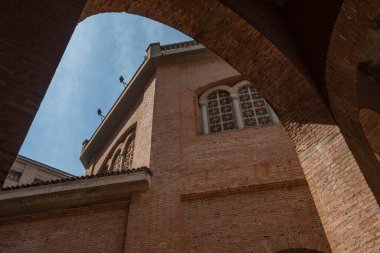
column 221, row 192
column 97, row 229
column 221, row 215
column 306, row 70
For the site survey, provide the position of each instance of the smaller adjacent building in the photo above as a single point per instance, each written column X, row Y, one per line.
column 26, row 171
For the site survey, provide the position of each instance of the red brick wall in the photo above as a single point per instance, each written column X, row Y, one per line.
column 140, row 114
column 238, row 222
column 222, row 192
column 187, row 163
column 100, row 229
column 370, row 122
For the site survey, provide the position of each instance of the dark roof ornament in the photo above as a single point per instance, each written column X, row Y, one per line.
column 101, row 114
column 121, row 79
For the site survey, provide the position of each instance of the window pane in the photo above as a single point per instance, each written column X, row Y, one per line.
column 220, row 113
column 14, row 175
column 116, row 163
column 129, row 154
column 253, row 107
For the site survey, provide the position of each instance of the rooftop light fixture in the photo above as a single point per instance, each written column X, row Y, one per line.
column 121, row 79
column 101, row 114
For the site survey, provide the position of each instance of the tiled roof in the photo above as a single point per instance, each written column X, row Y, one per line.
column 61, row 180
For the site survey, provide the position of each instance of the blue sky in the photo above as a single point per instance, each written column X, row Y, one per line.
column 101, row 49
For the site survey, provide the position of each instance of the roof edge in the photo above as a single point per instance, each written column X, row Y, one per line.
column 44, row 166
column 77, row 193
column 154, row 52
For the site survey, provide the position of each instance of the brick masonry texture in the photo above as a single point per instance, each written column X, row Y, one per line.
column 229, row 191
column 98, row 229
column 141, row 113
column 320, row 116
column 213, row 224
column 183, row 161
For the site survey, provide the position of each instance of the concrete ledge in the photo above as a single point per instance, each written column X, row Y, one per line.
column 72, row 194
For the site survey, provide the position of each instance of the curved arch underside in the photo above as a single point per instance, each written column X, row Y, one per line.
column 293, row 243
column 307, row 73
column 370, row 122
column 299, row 250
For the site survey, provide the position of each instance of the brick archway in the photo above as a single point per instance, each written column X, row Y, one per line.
column 320, row 145
column 370, row 123
column 334, row 176
column 302, row 243
column 345, row 83
column 299, row 250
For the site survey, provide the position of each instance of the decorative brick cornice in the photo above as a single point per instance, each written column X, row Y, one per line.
column 243, row 189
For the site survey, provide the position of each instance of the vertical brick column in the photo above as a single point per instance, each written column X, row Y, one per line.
column 347, row 207
column 345, row 202
column 33, row 37
column 361, row 174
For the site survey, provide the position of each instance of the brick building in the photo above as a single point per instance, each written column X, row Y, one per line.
column 25, row 171
column 315, row 62
column 223, row 177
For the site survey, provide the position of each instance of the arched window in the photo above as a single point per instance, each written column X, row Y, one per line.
column 117, row 162
column 122, row 157
column 240, row 106
column 254, row 109
column 220, row 112
column 128, row 159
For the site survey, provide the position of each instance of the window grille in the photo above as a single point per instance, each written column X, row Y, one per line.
column 253, row 107
column 14, row 175
column 220, row 114
column 38, row 180
column 117, row 163
column 124, row 157
column 129, row 154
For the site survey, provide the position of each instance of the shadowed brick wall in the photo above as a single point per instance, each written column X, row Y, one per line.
column 340, row 168
column 222, row 192
column 96, row 229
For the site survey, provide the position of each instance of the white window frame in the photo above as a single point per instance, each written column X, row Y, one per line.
column 236, row 104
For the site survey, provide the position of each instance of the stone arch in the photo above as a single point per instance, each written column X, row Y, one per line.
column 229, row 81
column 309, row 243
column 239, row 85
column 205, row 94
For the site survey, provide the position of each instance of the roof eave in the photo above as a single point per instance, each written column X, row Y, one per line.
column 72, row 194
